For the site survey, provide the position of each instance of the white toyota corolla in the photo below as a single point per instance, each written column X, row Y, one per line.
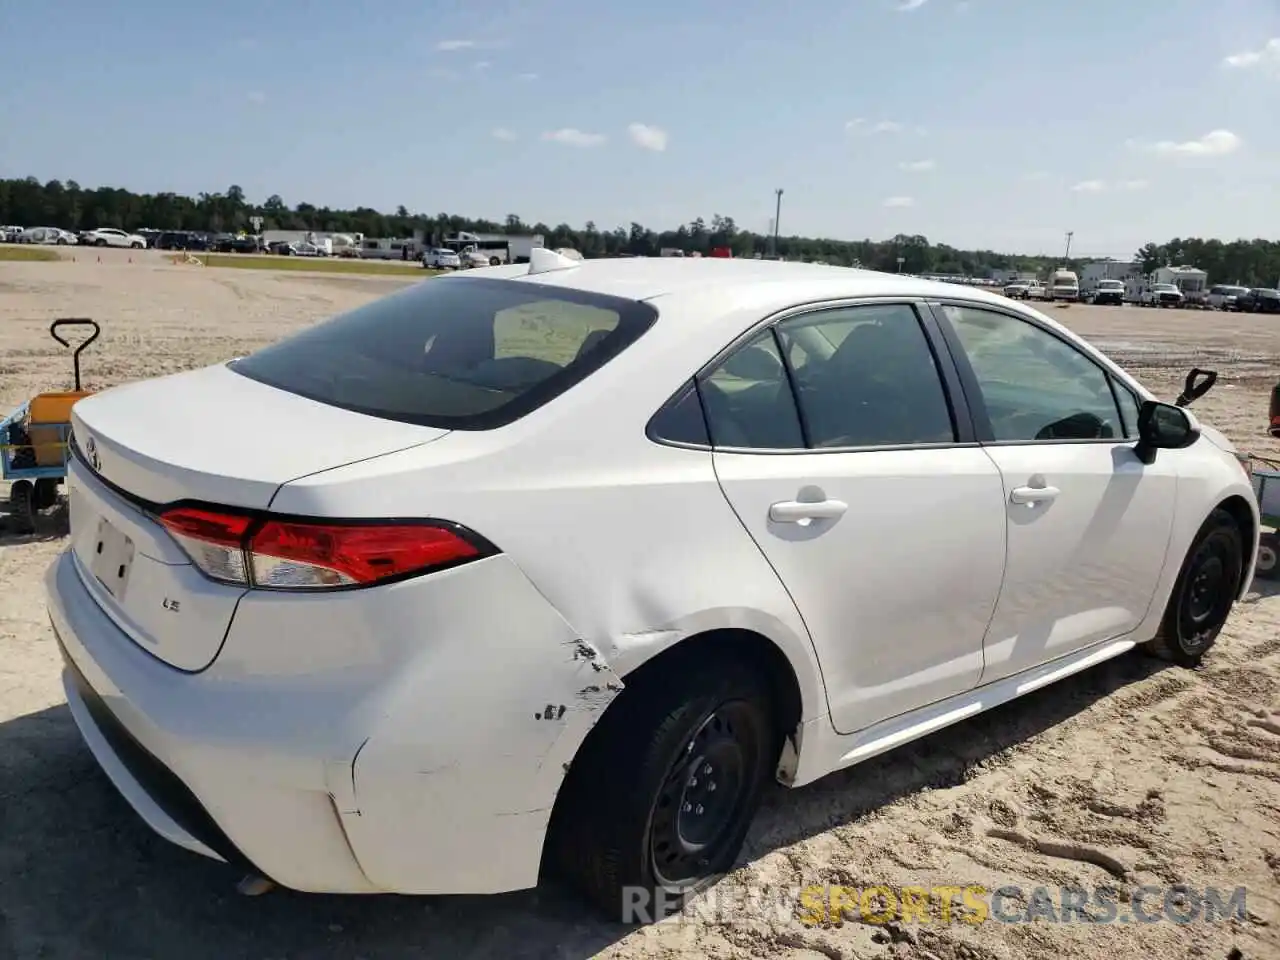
column 554, row 566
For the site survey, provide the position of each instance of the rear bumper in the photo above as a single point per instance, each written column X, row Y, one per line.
column 432, row 773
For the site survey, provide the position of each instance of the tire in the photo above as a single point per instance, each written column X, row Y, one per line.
column 1203, row 594
column 1268, row 554
column 135, row 246
column 628, row 826
column 22, row 510
column 495, row 262
column 99, row 242
column 46, row 493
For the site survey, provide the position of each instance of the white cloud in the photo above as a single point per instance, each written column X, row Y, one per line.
column 1269, row 53
column 917, row 166
column 1216, row 143
column 1100, row 186
column 650, row 138
column 905, row 6
column 257, row 96
column 574, row 138
column 861, row 125
column 481, row 65
column 502, row 133
column 449, row 45
column 962, row 6
column 443, row 73
column 526, row 77
column 899, row 202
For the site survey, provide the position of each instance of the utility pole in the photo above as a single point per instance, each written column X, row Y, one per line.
column 777, row 216
column 1067, row 255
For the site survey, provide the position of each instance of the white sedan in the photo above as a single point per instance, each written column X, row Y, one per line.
column 576, row 556
column 111, row 237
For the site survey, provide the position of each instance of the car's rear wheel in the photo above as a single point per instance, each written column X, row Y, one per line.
column 1203, row 594
column 657, row 805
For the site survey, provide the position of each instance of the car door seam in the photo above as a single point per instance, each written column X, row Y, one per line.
column 764, row 555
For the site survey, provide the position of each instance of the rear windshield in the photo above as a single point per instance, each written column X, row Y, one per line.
column 457, row 353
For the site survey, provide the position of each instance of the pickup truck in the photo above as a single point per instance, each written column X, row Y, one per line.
column 1161, row 295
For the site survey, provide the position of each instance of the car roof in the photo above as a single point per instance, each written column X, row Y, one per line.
column 765, row 281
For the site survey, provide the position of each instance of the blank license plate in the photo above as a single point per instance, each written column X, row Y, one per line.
column 112, row 558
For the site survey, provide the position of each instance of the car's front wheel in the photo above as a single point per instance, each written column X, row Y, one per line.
column 658, row 803
column 1203, row 594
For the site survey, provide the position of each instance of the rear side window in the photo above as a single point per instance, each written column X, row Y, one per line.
column 456, row 353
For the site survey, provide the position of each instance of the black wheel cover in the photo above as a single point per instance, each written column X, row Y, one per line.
column 698, row 814
column 1208, row 591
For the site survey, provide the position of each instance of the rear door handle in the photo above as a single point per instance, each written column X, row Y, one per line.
column 1033, row 495
column 793, row 511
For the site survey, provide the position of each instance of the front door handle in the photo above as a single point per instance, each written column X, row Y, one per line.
column 1033, row 495
column 794, row 511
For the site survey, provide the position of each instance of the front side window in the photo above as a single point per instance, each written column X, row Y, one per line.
column 1035, row 386
column 457, row 353
column 1129, row 406
column 869, row 378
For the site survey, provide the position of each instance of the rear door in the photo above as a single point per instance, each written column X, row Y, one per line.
column 1088, row 522
column 868, row 497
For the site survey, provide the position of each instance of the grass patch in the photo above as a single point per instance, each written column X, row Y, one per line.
column 27, row 253
column 312, row 265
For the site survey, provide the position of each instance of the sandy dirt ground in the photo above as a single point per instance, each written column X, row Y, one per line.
column 1131, row 774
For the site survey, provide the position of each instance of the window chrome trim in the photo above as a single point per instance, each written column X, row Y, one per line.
column 951, row 383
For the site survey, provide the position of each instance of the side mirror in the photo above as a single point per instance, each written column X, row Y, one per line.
column 1163, row 426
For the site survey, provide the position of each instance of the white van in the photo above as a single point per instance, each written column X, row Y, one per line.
column 1063, row 285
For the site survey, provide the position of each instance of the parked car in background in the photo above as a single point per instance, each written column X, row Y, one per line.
column 508, row 574
column 236, row 243
column 1223, row 296
column 471, row 257
column 1018, row 290
column 301, row 248
column 439, row 258
column 10, row 234
column 182, row 240
column 111, row 237
column 1161, row 295
column 1108, row 292
column 50, row 235
column 1064, row 285
column 1259, row 300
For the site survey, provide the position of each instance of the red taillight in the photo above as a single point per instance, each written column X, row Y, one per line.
column 301, row 555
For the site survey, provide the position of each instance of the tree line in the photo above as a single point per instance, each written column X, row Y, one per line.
column 67, row 205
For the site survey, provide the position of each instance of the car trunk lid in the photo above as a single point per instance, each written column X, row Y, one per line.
column 210, row 436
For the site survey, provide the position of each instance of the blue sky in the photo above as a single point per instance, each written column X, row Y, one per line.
column 986, row 123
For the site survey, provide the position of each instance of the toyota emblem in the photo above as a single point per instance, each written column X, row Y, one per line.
column 91, row 454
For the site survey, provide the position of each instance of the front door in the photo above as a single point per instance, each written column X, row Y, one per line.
column 888, row 535
column 1088, row 522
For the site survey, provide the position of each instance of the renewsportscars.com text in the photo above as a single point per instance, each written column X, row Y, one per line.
column 815, row 905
